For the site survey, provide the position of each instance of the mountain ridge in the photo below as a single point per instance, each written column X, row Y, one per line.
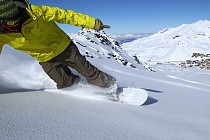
column 173, row 44
column 98, row 45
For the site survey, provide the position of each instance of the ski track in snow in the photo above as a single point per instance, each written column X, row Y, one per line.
column 189, row 81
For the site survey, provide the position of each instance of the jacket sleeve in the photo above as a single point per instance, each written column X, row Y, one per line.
column 61, row 16
column 1, row 46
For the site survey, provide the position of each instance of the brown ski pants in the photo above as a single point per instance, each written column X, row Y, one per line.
column 57, row 69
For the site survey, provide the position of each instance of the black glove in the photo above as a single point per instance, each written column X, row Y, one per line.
column 99, row 25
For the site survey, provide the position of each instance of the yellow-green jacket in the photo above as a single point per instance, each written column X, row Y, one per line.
column 40, row 36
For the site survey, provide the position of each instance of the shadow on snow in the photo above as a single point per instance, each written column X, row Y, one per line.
column 8, row 90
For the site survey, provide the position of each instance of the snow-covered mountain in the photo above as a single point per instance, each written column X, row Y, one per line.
column 173, row 44
column 100, row 47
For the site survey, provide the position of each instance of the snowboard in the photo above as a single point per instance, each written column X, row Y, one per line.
column 124, row 95
column 131, row 95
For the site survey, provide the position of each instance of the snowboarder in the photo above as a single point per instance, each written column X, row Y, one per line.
column 32, row 29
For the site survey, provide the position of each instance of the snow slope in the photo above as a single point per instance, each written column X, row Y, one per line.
column 173, row 44
column 177, row 108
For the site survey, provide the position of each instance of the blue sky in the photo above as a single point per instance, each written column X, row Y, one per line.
column 135, row 16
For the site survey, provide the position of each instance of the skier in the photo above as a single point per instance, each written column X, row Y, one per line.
column 32, row 29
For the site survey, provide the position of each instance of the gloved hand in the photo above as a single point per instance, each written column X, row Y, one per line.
column 99, row 25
